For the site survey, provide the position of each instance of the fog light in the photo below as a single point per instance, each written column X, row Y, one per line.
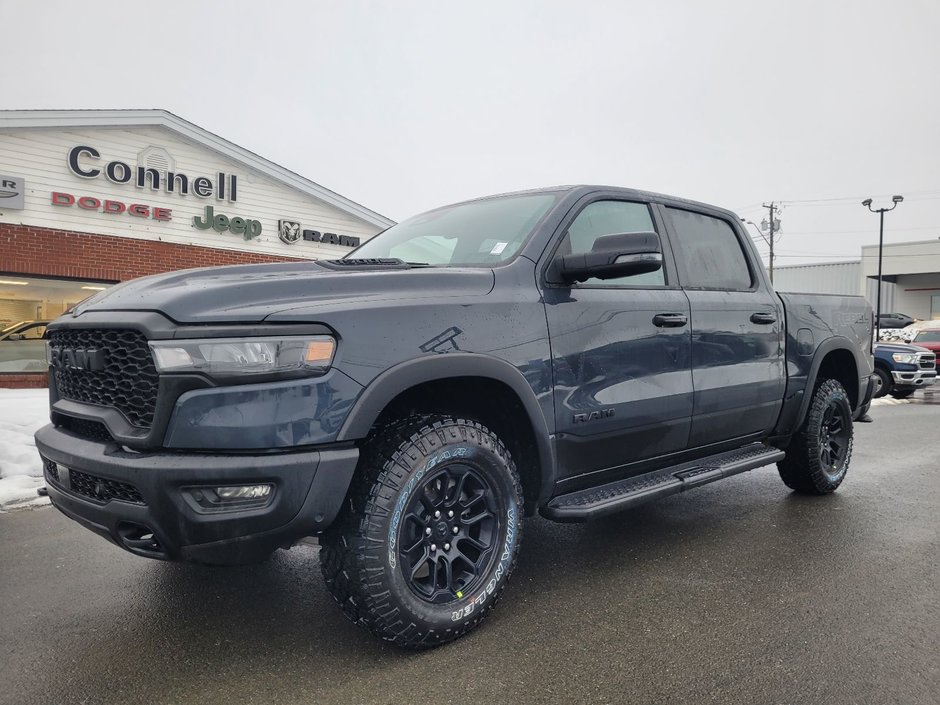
column 244, row 492
column 231, row 498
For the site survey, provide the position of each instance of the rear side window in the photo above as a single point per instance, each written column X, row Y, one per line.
column 709, row 253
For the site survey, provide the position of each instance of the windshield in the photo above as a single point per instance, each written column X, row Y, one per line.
column 928, row 336
column 483, row 233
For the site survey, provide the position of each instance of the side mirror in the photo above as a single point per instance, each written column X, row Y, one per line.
column 613, row 256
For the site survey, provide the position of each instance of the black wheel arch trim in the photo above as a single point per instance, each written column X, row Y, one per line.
column 827, row 346
column 405, row 375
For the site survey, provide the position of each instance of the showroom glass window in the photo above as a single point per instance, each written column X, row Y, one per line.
column 27, row 304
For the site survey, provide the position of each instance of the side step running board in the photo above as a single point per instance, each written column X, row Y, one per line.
column 623, row 494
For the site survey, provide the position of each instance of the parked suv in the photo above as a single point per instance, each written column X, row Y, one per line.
column 569, row 351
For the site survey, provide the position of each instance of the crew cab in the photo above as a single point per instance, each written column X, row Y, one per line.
column 571, row 351
column 901, row 369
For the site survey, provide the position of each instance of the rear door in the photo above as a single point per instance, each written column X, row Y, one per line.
column 623, row 384
column 737, row 330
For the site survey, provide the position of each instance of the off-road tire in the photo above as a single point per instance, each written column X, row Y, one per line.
column 902, row 393
column 359, row 557
column 886, row 383
column 803, row 470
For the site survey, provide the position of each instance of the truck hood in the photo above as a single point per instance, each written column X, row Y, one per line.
column 251, row 293
column 899, row 348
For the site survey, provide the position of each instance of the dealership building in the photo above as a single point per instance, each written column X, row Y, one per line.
column 910, row 278
column 89, row 198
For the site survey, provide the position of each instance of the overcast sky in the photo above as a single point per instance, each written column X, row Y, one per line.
column 403, row 106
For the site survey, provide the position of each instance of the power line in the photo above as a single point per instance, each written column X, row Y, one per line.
column 850, row 232
column 854, row 257
column 911, row 195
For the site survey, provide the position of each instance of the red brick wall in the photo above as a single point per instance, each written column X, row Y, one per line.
column 24, row 381
column 65, row 253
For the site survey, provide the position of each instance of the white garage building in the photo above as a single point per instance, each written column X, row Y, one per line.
column 910, row 278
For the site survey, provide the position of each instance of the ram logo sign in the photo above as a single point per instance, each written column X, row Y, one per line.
column 291, row 231
column 11, row 192
column 91, row 360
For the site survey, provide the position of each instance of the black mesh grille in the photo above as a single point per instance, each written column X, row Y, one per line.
column 97, row 488
column 127, row 381
column 51, row 471
column 101, row 489
column 94, row 430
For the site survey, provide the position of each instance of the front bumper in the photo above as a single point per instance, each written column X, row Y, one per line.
column 124, row 495
column 920, row 378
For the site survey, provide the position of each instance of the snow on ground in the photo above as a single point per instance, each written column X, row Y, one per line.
column 22, row 412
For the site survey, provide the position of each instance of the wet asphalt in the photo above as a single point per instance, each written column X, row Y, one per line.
column 739, row 592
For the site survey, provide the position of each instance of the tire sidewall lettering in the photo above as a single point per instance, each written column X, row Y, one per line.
column 505, row 560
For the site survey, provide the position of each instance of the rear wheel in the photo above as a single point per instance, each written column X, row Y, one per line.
column 819, row 455
column 883, row 382
column 431, row 531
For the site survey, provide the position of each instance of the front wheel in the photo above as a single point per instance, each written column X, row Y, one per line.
column 819, row 455
column 426, row 542
column 902, row 393
column 883, row 383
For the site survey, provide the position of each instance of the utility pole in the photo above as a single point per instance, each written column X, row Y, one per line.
column 772, row 227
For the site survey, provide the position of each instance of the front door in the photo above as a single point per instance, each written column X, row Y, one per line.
column 623, row 384
column 737, row 331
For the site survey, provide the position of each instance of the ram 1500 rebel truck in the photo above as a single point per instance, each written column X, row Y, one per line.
column 569, row 351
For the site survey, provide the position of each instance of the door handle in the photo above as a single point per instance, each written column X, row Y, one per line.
column 670, row 320
column 763, row 318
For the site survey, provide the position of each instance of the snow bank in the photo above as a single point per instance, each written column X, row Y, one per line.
column 22, row 412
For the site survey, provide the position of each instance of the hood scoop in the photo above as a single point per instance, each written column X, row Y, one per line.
column 374, row 263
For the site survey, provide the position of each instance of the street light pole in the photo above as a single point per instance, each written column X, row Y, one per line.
column 895, row 200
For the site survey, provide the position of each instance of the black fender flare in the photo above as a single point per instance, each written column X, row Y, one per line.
column 405, row 375
column 836, row 342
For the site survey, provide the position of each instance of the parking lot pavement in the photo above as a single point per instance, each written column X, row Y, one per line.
column 740, row 592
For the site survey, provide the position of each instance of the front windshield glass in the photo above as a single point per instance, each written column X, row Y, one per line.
column 928, row 336
column 482, row 233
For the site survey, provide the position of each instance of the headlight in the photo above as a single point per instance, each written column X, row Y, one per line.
column 906, row 358
column 244, row 356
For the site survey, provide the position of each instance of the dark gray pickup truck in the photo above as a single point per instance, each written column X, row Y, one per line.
column 569, row 352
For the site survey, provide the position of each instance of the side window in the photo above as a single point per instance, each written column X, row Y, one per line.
column 709, row 253
column 609, row 218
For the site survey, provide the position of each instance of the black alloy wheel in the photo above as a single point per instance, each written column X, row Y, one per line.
column 818, row 455
column 835, row 431
column 448, row 536
column 430, row 532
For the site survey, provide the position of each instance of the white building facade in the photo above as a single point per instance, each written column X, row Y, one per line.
column 89, row 198
column 910, row 278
